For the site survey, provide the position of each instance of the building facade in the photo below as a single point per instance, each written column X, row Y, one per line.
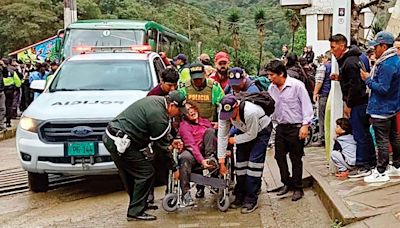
column 319, row 17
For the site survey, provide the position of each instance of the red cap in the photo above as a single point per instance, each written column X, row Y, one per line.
column 221, row 56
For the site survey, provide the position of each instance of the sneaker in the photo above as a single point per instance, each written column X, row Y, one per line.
column 249, row 207
column 142, row 217
column 187, row 200
column 200, row 193
column 359, row 172
column 376, row 177
column 392, row 171
column 236, row 204
column 343, row 175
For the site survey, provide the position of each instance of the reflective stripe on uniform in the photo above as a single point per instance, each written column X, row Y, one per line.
column 254, row 173
column 241, row 164
column 241, row 172
column 256, row 165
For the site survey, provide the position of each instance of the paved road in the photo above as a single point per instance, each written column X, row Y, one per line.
column 100, row 202
column 8, row 155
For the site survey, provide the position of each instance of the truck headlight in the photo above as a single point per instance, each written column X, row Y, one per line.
column 29, row 124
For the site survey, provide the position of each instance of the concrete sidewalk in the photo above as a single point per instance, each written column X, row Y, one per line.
column 281, row 211
column 354, row 200
column 10, row 133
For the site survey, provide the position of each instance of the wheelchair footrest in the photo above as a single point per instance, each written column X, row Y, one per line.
column 208, row 181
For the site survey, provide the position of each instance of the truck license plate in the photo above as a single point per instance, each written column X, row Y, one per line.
column 81, row 148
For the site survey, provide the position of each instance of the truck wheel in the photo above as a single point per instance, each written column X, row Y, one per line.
column 38, row 182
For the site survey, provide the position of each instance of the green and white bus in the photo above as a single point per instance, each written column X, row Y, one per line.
column 90, row 33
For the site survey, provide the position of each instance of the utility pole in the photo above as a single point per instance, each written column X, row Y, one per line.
column 70, row 12
column 341, row 24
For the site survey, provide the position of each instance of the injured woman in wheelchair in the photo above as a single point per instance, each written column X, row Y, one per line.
column 200, row 142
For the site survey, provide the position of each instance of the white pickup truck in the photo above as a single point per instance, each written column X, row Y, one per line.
column 61, row 131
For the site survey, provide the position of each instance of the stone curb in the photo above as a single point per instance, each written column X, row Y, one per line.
column 332, row 202
column 10, row 133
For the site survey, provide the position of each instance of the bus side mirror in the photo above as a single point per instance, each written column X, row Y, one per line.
column 38, row 85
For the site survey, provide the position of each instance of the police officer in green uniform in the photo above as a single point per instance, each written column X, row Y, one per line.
column 204, row 91
column 131, row 135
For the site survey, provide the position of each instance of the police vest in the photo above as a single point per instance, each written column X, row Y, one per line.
column 12, row 80
column 203, row 99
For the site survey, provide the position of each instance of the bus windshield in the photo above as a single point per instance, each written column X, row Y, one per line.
column 75, row 38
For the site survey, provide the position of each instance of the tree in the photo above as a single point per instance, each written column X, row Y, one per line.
column 24, row 22
column 260, row 25
column 233, row 20
column 376, row 28
column 300, row 41
column 88, row 9
column 213, row 23
column 109, row 6
column 294, row 24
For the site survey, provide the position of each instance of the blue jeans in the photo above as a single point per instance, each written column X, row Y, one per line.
column 365, row 153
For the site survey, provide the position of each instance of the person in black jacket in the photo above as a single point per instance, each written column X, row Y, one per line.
column 295, row 70
column 310, row 55
column 355, row 100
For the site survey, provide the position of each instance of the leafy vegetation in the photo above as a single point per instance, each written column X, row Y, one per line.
column 250, row 30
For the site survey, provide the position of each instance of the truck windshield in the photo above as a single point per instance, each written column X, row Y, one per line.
column 103, row 75
column 75, row 38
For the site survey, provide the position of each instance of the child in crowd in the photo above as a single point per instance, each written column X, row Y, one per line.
column 344, row 149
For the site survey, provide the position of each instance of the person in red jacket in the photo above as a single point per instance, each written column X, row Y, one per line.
column 220, row 75
column 169, row 82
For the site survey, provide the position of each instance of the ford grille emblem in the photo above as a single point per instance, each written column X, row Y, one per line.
column 82, row 131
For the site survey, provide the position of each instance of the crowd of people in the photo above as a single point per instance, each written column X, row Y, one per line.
column 15, row 92
column 215, row 117
column 370, row 83
column 200, row 110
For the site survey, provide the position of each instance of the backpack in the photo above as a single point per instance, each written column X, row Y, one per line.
column 262, row 99
column 261, row 82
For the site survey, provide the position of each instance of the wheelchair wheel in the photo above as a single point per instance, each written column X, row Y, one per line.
column 170, row 202
column 223, row 203
column 309, row 138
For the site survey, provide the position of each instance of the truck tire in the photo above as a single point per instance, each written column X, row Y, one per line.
column 38, row 182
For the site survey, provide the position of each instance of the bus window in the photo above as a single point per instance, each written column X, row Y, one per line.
column 159, row 67
column 165, row 45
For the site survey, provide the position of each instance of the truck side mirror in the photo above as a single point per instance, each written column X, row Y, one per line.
column 38, row 85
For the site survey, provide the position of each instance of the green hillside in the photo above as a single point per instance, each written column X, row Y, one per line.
column 23, row 22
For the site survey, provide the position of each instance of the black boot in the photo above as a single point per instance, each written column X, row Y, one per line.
column 297, row 194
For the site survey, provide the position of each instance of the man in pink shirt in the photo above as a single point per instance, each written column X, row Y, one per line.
column 200, row 142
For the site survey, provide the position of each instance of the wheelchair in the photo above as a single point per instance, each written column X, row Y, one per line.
column 211, row 179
